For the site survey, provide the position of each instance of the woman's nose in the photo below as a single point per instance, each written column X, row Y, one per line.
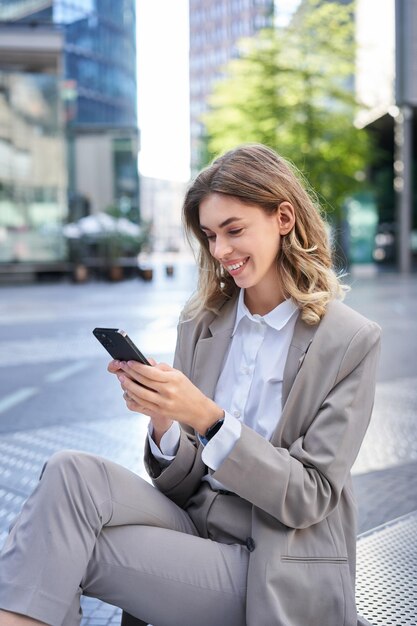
column 221, row 248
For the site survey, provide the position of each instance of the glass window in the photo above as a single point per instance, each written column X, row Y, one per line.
column 32, row 168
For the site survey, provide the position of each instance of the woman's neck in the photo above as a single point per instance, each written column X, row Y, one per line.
column 260, row 303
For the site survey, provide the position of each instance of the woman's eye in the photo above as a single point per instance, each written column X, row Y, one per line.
column 233, row 232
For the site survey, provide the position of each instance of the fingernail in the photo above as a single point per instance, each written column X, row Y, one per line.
column 121, row 378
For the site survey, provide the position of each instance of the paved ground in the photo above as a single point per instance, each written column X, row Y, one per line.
column 55, row 393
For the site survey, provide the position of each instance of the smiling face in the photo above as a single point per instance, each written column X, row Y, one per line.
column 246, row 241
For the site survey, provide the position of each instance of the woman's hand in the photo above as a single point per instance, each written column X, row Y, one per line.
column 160, row 423
column 167, row 395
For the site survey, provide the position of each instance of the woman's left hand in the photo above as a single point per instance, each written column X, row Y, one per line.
column 170, row 394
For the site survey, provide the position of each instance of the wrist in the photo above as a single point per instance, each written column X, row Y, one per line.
column 212, row 415
column 211, row 432
column 160, row 427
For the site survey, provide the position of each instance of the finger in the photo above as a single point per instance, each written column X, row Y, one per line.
column 137, row 378
column 128, row 372
column 164, row 367
column 127, row 369
column 113, row 366
column 138, row 393
column 146, row 409
column 133, row 406
column 131, row 403
column 157, row 373
column 147, row 375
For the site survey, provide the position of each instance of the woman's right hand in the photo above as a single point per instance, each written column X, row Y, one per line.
column 160, row 423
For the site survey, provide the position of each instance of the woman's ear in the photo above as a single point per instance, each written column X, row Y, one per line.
column 285, row 217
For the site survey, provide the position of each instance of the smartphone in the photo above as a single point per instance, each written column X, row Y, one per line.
column 119, row 345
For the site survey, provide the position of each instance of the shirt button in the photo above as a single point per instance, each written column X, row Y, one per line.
column 236, row 413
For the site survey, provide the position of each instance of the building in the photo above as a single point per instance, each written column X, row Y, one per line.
column 215, row 29
column 68, row 125
column 161, row 205
column 386, row 83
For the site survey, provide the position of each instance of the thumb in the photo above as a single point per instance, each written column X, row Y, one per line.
column 164, row 367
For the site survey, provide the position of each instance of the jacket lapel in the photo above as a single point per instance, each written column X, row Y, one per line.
column 210, row 351
column 300, row 343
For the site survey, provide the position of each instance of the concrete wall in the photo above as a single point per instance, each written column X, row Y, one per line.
column 94, row 170
column 375, row 75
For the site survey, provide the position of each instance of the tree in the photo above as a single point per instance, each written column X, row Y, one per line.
column 292, row 89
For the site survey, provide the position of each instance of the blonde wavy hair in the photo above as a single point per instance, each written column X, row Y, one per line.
column 255, row 175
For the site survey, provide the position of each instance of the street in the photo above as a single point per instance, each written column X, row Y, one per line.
column 53, row 370
column 55, row 391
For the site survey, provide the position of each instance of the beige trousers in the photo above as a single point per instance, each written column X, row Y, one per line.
column 93, row 527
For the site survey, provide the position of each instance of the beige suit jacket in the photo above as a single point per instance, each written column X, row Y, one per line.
column 302, row 570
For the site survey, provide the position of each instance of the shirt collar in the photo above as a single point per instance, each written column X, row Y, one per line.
column 277, row 318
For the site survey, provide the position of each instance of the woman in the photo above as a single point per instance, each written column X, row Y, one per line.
column 251, row 439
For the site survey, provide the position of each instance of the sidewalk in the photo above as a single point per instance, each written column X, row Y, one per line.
column 385, row 473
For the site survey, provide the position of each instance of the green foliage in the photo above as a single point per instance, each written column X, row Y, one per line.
column 292, row 89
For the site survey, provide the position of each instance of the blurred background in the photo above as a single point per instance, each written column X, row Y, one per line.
column 107, row 109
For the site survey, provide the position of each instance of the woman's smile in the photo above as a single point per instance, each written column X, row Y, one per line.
column 235, row 267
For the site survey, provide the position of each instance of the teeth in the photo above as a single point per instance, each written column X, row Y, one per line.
column 236, row 265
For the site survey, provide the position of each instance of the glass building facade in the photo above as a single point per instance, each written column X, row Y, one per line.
column 91, row 92
column 99, row 53
column 33, row 179
column 215, row 30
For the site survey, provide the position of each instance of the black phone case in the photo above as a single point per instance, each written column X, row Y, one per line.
column 119, row 345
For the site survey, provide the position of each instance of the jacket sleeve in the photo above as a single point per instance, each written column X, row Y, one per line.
column 301, row 485
column 182, row 477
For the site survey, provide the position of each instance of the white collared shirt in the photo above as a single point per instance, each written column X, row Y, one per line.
column 249, row 388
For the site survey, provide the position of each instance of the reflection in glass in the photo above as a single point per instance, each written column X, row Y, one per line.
column 32, row 169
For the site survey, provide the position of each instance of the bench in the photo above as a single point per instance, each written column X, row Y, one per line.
column 386, row 574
